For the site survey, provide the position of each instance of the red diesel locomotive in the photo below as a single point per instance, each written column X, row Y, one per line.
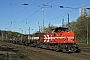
column 59, row 39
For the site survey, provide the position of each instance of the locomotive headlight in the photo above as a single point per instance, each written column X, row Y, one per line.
column 68, row 32
column 73, row 41
column 64, row 41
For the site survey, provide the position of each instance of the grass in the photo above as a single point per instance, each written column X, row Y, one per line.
column 4, row 56
column 8, row 54
column 83, row 42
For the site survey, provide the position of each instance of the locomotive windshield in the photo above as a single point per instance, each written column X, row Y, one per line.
column 59, row 29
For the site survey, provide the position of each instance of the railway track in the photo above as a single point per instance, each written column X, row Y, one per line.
column 32, row 53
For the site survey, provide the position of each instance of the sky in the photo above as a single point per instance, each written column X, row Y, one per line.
column 16, row 17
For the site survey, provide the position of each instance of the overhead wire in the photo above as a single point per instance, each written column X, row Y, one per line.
column 48, row 20
column 20, row 13
column 11, row 22
column 67, row 13
column 12, row 17
column 45, row 5
column 49, row 2
column 26, row 18
column 30, row 15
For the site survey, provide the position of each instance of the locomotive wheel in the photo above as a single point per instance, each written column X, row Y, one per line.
column 57, row 48
column 47, row 47
column 64, row 51
column 78, row 50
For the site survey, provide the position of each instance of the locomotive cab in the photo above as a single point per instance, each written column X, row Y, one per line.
column 58, row 30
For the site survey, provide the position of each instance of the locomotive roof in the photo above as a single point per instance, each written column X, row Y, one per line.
column 59, row 28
